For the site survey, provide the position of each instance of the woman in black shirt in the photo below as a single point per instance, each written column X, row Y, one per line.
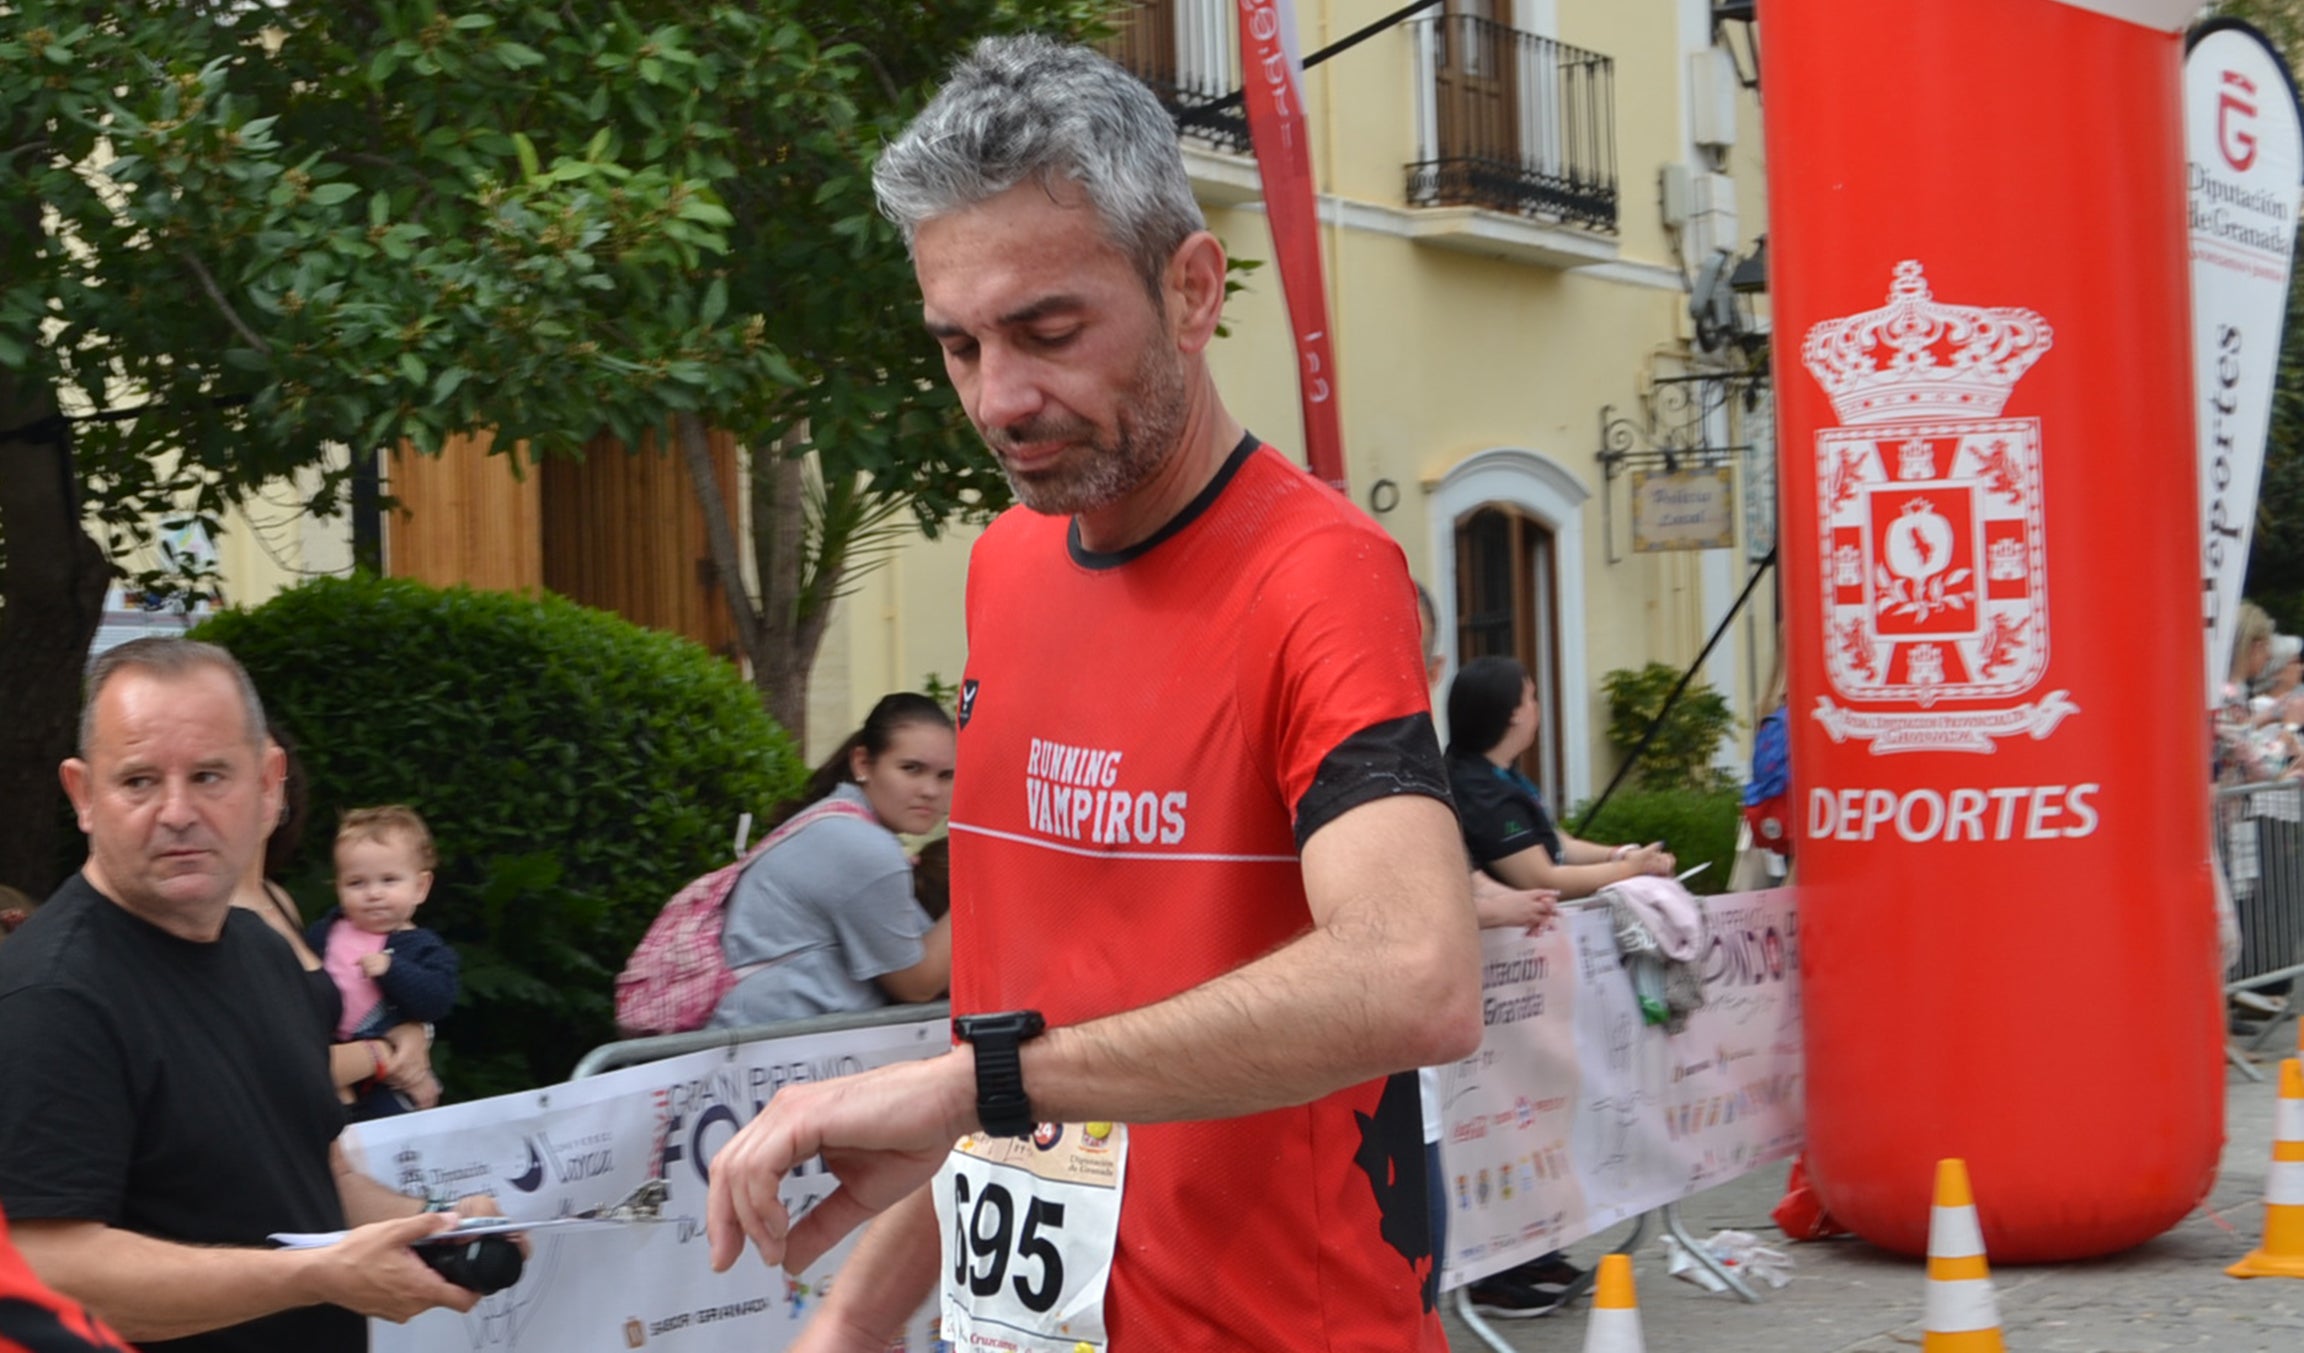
column 1491, row 721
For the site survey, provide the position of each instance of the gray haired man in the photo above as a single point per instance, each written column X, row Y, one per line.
column 1208, row 894
column 167, row 1102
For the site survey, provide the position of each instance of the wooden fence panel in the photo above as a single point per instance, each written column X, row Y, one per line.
column 622, row 531
column 464, row 517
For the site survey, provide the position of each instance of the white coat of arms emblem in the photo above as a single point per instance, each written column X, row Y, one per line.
column 1932, row 544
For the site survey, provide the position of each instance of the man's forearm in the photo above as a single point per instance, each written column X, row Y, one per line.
column 1226, row 1048
column 890, row 1274
column 1385, row 981
column 150, row 1290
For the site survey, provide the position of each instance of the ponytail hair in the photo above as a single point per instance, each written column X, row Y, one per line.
column 897, row 711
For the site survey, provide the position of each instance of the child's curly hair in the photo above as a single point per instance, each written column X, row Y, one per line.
column 388, row 823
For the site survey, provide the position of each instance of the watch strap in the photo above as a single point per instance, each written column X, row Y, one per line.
column 1002, row 1106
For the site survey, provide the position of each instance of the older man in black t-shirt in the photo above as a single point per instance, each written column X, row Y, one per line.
column 167, row 1102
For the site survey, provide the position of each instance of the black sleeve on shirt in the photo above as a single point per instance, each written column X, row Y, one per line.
column 1396, row 756
column 67, row 1124
column 1499, row 820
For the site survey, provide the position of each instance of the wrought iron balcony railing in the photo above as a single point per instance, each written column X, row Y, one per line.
column 1513, row 122
column 1188, row 52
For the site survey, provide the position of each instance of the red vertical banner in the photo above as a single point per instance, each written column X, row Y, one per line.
column 1991, row 577
column 1272, row 77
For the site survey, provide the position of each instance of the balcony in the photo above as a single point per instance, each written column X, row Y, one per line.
column 1511, row 122
column 1188, row 52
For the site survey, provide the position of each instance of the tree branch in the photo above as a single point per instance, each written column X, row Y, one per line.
column 887, row 81
column 719, row 534
column 382, row 162
column 223, row 307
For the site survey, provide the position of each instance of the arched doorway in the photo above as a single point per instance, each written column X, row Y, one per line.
column 1507, row 542
column 1508, row 605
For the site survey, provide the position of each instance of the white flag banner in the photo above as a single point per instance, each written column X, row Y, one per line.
column 2244, row 160
column 1576, row 1113
column 587, row 1145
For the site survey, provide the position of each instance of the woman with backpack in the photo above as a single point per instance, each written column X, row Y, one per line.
column 823, row 919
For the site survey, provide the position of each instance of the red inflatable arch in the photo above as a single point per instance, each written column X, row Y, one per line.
column 1990, row 550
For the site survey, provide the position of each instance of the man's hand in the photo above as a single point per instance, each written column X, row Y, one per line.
column 1500, row 905
column 373, row 1270
column 882, row 1134
column 481, row 1205
column 376, row 964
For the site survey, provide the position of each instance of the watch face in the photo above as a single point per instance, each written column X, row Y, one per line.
column 1007, row 1023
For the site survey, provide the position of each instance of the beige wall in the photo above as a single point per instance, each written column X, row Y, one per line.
column 270, row 543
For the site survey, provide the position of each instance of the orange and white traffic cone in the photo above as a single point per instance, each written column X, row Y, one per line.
column 1961, row 1315
column 1614, row 1325
column 2282, row 1253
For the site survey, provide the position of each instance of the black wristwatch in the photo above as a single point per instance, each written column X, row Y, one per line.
column 1000, row 1099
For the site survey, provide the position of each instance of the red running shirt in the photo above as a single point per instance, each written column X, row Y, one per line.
column 1146, row 739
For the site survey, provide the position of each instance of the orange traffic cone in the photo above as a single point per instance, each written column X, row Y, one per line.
column 1614, row 1325
column 1961, row 1314
column 2282, row 1253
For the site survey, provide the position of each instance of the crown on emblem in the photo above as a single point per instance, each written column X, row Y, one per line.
column 1917, row 358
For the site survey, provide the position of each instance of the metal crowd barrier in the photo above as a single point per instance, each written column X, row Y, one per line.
column 2260, row 849
column 634, row 1051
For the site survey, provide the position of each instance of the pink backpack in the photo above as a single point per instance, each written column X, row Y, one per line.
column 678, row 975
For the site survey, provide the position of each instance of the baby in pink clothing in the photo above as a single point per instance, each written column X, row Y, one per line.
column 387, row 969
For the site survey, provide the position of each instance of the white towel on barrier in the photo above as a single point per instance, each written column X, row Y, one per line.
column 1660, row 931
column 1667, row 909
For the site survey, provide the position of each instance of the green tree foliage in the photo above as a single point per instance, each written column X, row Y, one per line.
column 575, row 770
column 1680, row 755
column 2280, row 20
column 234, row 236
column 2276, row 554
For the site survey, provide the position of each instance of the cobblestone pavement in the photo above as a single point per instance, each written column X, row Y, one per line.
column 1847, row 1297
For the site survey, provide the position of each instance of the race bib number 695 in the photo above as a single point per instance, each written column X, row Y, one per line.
column 1030, row 1226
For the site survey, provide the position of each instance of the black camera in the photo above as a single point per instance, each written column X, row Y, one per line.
column 481, row 1264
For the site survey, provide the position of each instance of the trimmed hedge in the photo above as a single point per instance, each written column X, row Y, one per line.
column 575, row 769
column 1680, row 756
column 1694, row 824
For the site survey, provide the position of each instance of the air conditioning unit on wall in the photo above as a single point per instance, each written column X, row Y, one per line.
column 1712, row 88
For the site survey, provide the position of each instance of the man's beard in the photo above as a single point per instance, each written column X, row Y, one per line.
column 1096, row 472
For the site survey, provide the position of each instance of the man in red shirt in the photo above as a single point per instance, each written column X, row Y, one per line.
column 1209, row 900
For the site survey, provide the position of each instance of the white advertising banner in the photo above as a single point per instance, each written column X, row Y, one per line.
column 2244, row 161
column 1575, row 1114
column 2167, row 15
column 587, row 1145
